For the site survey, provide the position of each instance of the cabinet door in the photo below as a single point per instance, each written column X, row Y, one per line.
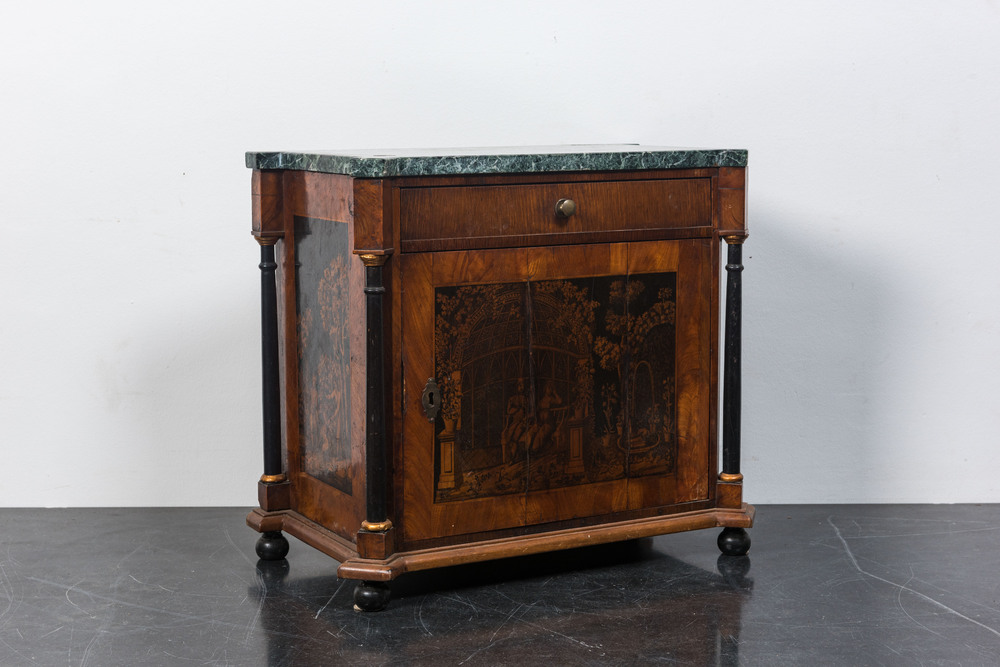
column 572, row 381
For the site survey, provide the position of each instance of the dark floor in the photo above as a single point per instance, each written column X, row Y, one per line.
column 830, row 585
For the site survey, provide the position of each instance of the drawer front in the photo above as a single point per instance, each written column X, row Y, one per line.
column 516, row 213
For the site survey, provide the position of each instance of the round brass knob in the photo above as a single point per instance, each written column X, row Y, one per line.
column 565, row 208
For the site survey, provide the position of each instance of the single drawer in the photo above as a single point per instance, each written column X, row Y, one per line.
column 504, row 211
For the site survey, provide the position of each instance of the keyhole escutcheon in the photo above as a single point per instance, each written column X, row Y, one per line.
column 431, row 400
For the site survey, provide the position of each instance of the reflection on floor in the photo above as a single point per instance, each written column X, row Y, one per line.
column 828, row 585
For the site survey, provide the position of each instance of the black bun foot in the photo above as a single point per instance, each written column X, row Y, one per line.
column 272, row 545
column 371, row 595
column 734, row 541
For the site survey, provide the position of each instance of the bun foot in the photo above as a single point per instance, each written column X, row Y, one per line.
column 272, row 545
column 734, row 542
column 371, row 596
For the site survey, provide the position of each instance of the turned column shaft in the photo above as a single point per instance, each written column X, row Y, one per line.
column 375, row 446
column 269, row 358
column 731, row 389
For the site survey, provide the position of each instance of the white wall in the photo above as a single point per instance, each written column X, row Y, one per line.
column 129, row 284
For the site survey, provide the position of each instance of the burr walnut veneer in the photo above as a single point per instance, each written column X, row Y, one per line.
column 479, row 354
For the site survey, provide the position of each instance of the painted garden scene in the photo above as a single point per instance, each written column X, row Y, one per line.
column 554, row 383
column 324, row 396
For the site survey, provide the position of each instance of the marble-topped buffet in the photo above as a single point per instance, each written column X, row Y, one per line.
column 472, row 354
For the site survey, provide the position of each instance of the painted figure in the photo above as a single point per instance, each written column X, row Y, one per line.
column 515, row 425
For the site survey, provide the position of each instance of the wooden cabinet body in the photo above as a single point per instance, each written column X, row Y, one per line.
column 466, row 372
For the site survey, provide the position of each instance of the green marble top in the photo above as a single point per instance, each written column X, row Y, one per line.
column 526, row 159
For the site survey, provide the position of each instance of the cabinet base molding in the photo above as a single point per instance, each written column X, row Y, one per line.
column 354, row 567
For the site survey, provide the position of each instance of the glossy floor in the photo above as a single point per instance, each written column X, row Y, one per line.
column 837, row 585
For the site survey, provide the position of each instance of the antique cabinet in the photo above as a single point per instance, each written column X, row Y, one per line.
column 477, row 354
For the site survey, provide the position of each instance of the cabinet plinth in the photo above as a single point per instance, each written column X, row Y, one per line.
column 476, row 365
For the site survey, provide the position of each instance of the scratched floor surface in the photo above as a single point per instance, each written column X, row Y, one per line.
column 826, row 585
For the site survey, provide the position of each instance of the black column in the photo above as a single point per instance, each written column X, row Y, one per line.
column 377, row 510
column 731, row 360
column 269, row 357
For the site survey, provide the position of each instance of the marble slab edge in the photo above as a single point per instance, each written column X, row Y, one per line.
column 447, row 165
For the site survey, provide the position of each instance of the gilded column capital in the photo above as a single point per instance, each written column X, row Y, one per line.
column 373, row 260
